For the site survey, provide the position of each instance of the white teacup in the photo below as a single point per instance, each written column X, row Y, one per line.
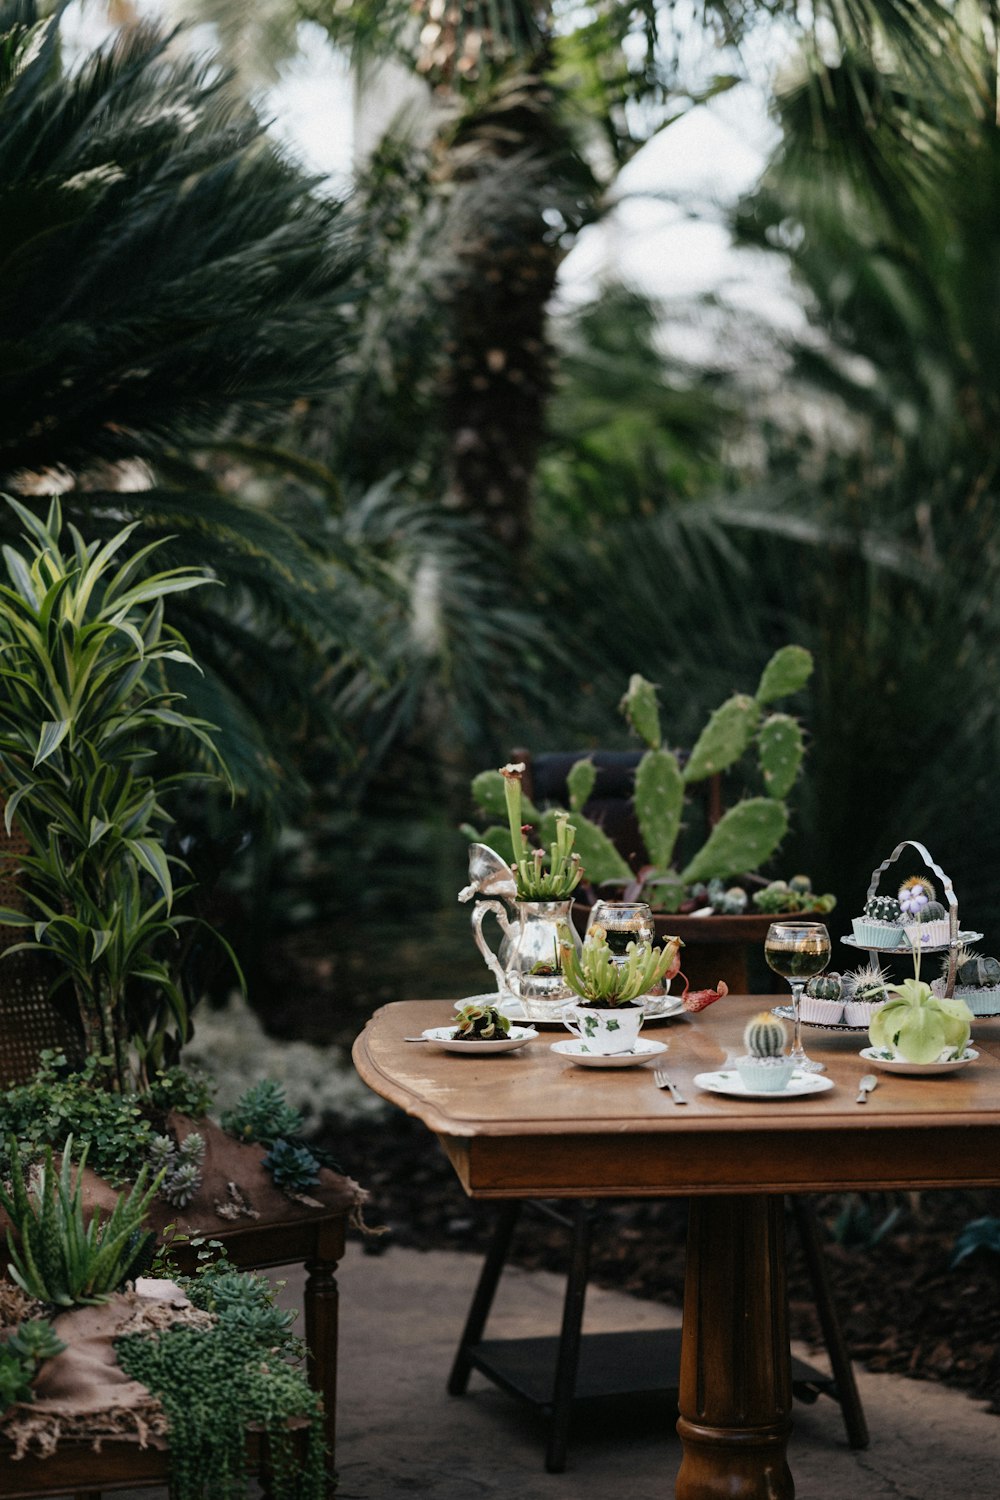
column 604, row 1032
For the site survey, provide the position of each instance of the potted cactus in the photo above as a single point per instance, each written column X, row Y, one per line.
column 977, row 981
column 765, row 1068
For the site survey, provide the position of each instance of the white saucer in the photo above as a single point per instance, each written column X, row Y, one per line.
column 927, row 1070
column 444, row 1037
column 581, row 1054
column 729, row 1082
column 659, row 1008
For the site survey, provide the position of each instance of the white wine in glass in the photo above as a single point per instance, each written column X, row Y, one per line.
column 798, row 951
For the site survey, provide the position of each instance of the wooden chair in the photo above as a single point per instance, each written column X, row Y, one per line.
column 553, row 1373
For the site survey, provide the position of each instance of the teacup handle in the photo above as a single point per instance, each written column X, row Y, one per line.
column 572, row 1024
column 478, row 916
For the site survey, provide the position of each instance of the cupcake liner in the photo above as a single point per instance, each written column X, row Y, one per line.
column 860, row 1012
column 870, row 933
column 928, row 934
column 827, row 1012
column 982, row 1001
column 770, row 1073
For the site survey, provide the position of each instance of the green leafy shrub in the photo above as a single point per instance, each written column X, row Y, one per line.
column 58, row 1258
column 214, row 1383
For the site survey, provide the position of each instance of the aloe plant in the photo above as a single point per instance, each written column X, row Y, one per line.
column 59, row 1257
column 83, row 708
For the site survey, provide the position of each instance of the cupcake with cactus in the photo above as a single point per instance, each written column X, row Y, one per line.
column 881, row 926
column 977, row 982
column 823, row 999
column 867, row 994
column 766, row 1068
column 925, row 921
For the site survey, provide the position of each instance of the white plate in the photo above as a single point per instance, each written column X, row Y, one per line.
column 444, row 1037
column 580, row 1053
column 730, row 1082
column 654, row 1011
column 900, row 1065
column 903, row 949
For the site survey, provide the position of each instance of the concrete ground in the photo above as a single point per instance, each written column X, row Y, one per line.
column 401, row 1437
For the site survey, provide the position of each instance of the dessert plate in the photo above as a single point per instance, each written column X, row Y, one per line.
column 444, row 1037
column 729, row 1082
column 927, row 1070
column 788, row 1014
column 661, row 1008
column 902, row 950
column 580, row 1053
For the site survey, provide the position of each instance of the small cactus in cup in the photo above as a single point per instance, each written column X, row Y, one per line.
column 765, row 1035
column 973, row 970
column 825, row 987
column 932, row 911
column 883, row 909
column 914, row 894
column 869, row 985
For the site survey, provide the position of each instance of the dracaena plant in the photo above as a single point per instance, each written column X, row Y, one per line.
column 83, row 708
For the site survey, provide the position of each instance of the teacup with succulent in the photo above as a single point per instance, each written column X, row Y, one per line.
column 608, row 1011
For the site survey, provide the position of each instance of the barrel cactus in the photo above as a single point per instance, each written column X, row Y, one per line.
column 765, row 1035
column 825, row 987
column 883, row 909
column 932, row 911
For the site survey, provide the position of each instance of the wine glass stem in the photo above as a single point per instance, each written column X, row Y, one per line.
column 797, row 1053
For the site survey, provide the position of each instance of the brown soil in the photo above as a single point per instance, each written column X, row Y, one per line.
column 903, row 1308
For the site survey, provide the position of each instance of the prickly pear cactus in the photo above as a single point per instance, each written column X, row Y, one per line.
column 764, row 1035
column 580, row 783
column 825, row 987
column 743, row 839
column 724, row 738
column 659, row 801
column 788, row 670
column 883, row 909
column 601, row 860
column 780, row 748
column 640, row 708
column 488, row 793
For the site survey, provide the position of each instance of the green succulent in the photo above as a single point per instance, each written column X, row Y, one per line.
column 828, row 986
column 262, row 1115
column 58, row 1258
column 482, row 1022
column 973, row 969
column 765, row 1035
column 918, row 1025
column 293, row 1168
column 883, row 909
column 603, row 980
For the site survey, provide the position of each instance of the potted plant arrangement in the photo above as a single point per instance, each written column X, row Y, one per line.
column 765, row 1067
column 84, row 707
column 716, row 880
column 609, row 990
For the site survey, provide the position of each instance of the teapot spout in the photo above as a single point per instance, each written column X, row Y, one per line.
column 489, row 875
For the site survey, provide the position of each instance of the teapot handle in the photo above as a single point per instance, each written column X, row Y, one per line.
column 479, row 912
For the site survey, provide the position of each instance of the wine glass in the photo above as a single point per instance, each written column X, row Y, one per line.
column 625, row 922
column 797, row 951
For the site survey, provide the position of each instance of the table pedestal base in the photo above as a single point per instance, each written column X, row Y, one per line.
column 736, row 1391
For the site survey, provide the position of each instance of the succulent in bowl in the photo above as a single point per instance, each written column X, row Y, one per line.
column 480, row 1023
column 919, row 1026
column 602, row 980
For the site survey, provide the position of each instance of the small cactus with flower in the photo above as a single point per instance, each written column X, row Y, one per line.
column 914, row 894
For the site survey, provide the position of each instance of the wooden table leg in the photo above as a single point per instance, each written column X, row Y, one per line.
column 320, row 1305
column 736, row 1384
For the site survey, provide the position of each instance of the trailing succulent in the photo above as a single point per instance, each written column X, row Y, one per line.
column 604, row 981
column 215, row 1383
column 744, row 838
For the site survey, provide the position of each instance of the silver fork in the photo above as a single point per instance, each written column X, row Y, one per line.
column 664, row 1081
